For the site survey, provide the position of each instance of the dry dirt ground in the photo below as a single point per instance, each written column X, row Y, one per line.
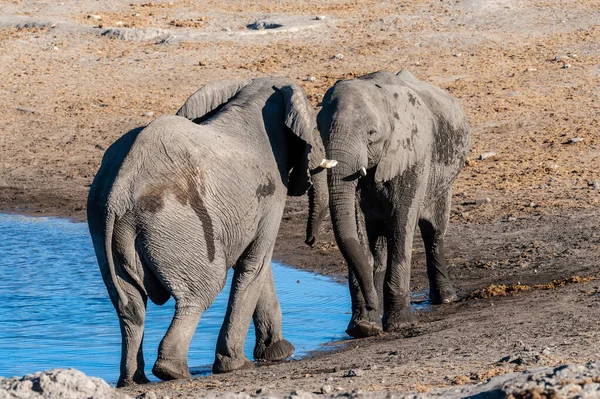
column 77, row 74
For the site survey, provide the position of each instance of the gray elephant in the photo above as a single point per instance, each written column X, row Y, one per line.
column 400, row 143
column 177, row 203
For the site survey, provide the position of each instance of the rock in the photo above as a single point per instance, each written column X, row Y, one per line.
column 119, row 23
column 566, row 65
column 310, row 79
column 486, row 155
column 458, row 54
column 320, row 17
column 482, row 201
column 299, row 395
column 339, row 56
column 94, row 17
column 354, row 373
column 138, row 35
column 57, row 383
column 149, row 114
column 561, row 58
column 261, row 25
column 574, row 140
column 531, row 70
column 147, row 395
column 26, row 110
column 326, row 389
column 593, row 185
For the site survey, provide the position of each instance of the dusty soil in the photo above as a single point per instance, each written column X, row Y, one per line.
column 75, row 75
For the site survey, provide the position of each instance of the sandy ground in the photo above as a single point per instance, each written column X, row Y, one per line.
column 77, row 74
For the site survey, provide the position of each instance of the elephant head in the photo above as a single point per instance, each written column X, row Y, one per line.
column 362, row 128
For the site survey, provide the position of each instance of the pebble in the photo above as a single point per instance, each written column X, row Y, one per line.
column 147, row 395
column 457, row 54
column 531, row 70
column 226, row 30
column 320, row 17
column 119, row 23
column 574, row 140
column 354, row 373
column 566, row 65
column 486, row 155
column 339, row 56
column 94, row 17
column 26, row 110
column 137, row 14
column 482, row 201
column 326, row 389
column 149, row 114
column 593, row 185
column 310, row 79
column 560, row 58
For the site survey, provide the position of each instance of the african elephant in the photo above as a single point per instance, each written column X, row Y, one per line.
column 399, row 144
column 177, row 203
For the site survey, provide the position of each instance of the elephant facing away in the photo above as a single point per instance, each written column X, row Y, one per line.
column 175, row 204
column 399, row 143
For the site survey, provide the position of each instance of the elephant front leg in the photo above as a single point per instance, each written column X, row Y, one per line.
column 397, row 307
column 270, row 344
column 433, row 228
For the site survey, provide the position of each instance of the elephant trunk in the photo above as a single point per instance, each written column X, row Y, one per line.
column 343, row 216
column 318, row 203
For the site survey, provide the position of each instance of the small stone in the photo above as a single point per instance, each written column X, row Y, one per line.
column 531, row 70
column 94, row 17
column 54, row 48
column 566, row 65
column 482, row 201
column 457, row 54
column 260, row 391
column 310, row 78
column 320, row 17
column 512, row 219
column 149, row 114
column 326, row 389
column 226, row 30
column 574, row 140
column 486, row 155
column 26, row 110
column 119, row 23
column 339, row 56
column 531, row 205
column 147, row 395
column 137, row 14
column 354, row 373
column 573, row 55
column 560, row 58
column 593, row 185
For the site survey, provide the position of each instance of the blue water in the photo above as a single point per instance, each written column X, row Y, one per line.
column 55, row 311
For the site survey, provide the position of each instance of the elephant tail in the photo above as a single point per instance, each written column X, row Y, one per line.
column 108, row 243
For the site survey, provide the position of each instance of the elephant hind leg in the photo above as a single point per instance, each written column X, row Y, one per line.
column 133, row 312
column 433, row 225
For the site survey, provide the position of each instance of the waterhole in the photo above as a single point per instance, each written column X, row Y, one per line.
column 55, row 311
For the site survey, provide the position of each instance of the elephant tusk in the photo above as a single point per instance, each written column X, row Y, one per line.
column 362, row 171
column 328, row 163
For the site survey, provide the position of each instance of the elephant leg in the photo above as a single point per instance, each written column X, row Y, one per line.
column 270, row 345
column 171, row 363
column 131, row 321
column 249, row 280
column 396, row 290
column 365, row 323
column 433, row 225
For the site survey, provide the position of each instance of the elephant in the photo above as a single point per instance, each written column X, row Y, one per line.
column 399, row 143
column 177, row 203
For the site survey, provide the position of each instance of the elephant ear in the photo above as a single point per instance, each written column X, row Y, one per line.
column 209, row 98
column 410, row 137
column 299, row 118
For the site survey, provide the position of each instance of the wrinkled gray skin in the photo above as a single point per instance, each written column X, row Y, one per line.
column 412, row 139
column 177, row 203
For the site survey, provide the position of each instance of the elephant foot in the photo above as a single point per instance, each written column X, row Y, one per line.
column 275, row 352
column 398, row 320
column 363, row 329
column 444, row 295
column 137, row 379
column 226, row 364
column 167, row 369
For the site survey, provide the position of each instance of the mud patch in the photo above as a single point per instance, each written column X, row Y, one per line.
column 499, row 290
